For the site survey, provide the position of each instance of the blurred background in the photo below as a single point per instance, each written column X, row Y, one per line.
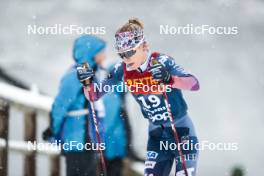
column 229, row 106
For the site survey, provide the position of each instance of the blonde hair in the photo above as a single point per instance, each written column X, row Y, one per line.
column 131, row 25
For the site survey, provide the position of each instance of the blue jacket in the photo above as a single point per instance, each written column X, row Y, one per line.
column 115, row 132
column 70, row 96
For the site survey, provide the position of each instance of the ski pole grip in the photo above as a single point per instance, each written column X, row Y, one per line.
column 154, row 62
column 88, row 81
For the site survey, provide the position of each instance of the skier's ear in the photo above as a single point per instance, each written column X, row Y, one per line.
column 145, row 46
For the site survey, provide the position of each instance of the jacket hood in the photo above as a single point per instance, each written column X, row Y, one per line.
column 85, row 49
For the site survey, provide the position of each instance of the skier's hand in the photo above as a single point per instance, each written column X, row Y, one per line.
column 84, row 73
column 159, row 73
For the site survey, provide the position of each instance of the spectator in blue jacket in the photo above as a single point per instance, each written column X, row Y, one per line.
column 70, row 115
column 115, row 132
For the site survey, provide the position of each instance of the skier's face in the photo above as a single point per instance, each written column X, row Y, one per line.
column 138, row 58
column 100, row 57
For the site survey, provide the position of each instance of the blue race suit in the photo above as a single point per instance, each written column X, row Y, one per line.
column 153, row 107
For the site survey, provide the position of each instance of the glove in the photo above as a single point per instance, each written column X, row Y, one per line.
column 84, row 73
column 159, row 72
column 47, row 134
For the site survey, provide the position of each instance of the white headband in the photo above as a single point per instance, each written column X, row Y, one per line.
column 126, row 41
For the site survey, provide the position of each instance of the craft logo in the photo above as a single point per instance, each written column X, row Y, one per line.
column 152, row 155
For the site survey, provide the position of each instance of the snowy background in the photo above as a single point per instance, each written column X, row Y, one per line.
column 228, row 108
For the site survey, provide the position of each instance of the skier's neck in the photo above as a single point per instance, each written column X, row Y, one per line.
column 143, row 67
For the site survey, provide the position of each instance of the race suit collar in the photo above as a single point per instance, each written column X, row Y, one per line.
column 144, row 66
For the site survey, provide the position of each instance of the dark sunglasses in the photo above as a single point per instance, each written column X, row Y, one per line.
column 127, row 54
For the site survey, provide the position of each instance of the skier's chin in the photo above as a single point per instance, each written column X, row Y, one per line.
column 131, row 67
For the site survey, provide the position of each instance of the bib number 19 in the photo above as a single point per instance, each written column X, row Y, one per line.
column 153, row 99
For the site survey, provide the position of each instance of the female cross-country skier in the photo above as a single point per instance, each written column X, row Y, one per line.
column 163, row 110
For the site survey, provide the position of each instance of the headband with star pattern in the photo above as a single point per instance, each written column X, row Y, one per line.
column 129, row 40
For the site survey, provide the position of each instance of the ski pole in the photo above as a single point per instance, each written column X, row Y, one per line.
column 175, row 133
column 174, row 130
column 98, row 138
